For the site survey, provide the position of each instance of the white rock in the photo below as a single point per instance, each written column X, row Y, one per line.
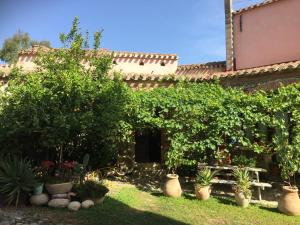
column 87, row 204
column 59, row 203
column 74, row 206
column 39, row 200
column 59, row 196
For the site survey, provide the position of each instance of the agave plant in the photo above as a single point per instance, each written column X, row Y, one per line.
column 16, row 178
column 243, row 182
column 205, row 177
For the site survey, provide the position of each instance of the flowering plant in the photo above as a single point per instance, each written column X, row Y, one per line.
column 51, row 172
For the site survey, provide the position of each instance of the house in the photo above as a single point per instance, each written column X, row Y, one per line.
column 139, row 69
column 262, row 44
column 262, row 51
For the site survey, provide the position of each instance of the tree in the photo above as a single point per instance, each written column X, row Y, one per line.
column 20, row 40
column 66, row 109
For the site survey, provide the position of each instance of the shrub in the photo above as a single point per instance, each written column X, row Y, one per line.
column 64, row 110
column 90, row 190
column 243, row 161
column 17, row 179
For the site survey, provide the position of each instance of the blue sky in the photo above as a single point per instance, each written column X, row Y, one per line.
column 192, row 29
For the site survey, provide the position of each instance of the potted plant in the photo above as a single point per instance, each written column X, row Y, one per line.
column 172, row 187
column 289, row 202
column 288, row 157
column 203, row 182
column 91, row 190
column 58, row 177
column 242, row 187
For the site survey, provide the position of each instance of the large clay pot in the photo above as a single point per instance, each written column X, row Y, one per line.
column 61, row 188
column 202, row 192
column 289, row 202
column 172, row 186
column 241, row 200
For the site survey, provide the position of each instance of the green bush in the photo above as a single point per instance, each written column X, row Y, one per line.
column 90, row 190
column 65, row 110
column 17, row 179
column 243, row 161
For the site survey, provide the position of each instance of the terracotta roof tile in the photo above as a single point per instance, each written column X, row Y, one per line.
column 200, row 71
column 116, row 54
column 267, row 2
column 275, row 68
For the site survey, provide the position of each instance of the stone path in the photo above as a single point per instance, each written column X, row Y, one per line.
column 19, row 217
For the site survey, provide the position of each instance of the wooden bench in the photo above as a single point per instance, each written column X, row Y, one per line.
column 255, row 182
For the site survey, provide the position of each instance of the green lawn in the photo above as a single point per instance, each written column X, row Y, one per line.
column 128, row 205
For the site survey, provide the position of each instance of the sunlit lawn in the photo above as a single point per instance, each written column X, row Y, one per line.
column 128, row 205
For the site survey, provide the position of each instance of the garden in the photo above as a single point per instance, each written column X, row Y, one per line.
column 65, row 122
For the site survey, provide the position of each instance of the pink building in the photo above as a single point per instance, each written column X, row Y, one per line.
column 265, row 34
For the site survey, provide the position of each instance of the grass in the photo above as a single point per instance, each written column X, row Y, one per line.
column 126, row 205
column 131, row 206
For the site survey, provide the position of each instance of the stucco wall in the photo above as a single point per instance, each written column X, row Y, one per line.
column 151, row 66
column 270, row 34
column 125, row 65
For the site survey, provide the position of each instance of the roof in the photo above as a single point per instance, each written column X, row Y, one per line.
column 201, row 71
column 275, row 68
column 116, row 54
column 266, row 2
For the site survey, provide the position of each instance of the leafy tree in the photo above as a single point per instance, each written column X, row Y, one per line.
column 12, row 46
column 70, row 107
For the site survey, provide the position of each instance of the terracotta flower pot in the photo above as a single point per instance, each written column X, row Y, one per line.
column 172, row 186
column 61, row 188
column 241, row 199
column 202, row 193
column 289, row 202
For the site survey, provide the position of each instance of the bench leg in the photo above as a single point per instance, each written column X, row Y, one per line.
column 258, row 188
column 259, row 194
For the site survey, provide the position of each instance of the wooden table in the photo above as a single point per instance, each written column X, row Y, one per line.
column 255, row 182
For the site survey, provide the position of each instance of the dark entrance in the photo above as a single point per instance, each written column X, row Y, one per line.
column 148, row 146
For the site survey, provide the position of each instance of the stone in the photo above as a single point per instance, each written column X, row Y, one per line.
column 87, row 204
column 60, row 196
column 39, row 200
column 59, row 203
column 74, row 206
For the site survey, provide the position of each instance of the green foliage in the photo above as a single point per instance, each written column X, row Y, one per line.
column 90, row 190
column 243, row 183
column 12, row 46
column 66, row 109
column 243, row 161
column 286, row 110
column 200, row 119
column 204, row 177
column 16, row 179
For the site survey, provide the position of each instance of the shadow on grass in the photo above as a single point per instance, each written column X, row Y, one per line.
column 113, row 212
column 274, row 210
column 225, row 201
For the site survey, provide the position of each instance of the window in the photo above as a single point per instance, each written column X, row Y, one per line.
column 163, row 64
column 241, row 23
column 142, row 63
column 115, row 62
